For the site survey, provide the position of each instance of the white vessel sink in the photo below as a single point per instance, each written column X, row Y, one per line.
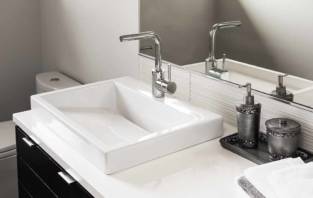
column 264, row 80
column 117, row 124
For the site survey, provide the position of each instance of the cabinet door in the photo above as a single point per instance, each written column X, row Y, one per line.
column 23, row 193
column 30, row 181
column 46, row 169
column 41, row 163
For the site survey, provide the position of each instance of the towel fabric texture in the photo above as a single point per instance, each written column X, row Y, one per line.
column 288, row 178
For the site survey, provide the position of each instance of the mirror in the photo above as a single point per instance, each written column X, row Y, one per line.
column 272, row 49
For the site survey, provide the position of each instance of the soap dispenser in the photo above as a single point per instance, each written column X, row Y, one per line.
column 281, row 90
column 248, row 120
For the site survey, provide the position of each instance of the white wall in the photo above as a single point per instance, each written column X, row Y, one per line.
column 81, row 38
column 19, row 54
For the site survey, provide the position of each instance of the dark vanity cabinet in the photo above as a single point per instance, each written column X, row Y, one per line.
column 40, row 176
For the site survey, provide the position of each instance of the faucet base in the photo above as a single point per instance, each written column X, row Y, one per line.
column 156, row 92
column 160, row 86
column 215, row 72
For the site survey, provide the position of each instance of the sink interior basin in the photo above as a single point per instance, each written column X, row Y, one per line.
column 125, row 124
column 262, row 79
column 115, row 114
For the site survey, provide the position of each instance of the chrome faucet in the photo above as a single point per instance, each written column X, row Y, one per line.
column 211, row 63
column 160, row 86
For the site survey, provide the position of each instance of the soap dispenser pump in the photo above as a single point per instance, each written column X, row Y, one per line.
column 281, row 90
column 248, row 119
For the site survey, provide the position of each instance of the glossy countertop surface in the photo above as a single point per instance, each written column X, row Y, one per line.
column 202, row 171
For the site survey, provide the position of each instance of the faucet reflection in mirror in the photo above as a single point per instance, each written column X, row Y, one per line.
column 160, row 85
column 281, row 90
column 211, row 63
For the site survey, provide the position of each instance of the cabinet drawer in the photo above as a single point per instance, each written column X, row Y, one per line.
column 47, row 169
column 29, row 182
column 41, row 163
column 22, row 192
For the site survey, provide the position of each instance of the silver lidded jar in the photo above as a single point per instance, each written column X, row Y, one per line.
column 283, row 137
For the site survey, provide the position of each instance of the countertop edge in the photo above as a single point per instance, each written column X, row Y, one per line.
column 96, row 182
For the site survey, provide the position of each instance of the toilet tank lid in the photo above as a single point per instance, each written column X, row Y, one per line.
column 55, row 80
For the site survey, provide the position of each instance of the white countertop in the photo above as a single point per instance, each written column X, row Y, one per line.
column 202, row 171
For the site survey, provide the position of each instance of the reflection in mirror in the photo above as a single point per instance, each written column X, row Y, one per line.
column 211, row 67
column 271, row 51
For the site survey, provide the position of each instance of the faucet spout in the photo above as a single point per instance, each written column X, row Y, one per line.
column 139, row 36
column 160, row 86
column 227, row 24
column 145, row 36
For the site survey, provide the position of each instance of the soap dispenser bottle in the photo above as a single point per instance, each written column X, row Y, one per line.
column 248, row 120
column 281, row 90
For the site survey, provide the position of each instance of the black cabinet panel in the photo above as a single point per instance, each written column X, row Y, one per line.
column 32, row 183
column 42, row 165
column 77, row 191
column 23, row 193
column 46, row 169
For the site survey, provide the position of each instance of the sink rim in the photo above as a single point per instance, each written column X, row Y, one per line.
column 197, row 115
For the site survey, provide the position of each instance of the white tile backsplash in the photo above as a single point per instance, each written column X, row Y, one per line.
column 145, row 68
column 222, row 98
column 182, row 80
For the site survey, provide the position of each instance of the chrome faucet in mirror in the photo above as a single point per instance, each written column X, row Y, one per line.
column 281, row 90
column 211, row 63
column 160, row 85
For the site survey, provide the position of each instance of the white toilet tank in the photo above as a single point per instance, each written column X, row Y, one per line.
column 50, row 81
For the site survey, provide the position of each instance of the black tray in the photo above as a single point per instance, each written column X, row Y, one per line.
column 258, row 155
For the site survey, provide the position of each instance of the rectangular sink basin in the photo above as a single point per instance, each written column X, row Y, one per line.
column 262, row 79
column 117, row 124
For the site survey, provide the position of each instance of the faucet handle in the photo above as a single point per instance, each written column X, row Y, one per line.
column 169, row 72
column 281, row 79
column 224, row 61
column 167, row 86
column 171, row 86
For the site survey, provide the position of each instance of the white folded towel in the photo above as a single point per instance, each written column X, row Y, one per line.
column 293, row 182
column 258, row 176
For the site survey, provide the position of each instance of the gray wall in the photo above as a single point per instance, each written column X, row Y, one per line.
column 275, row 34
column 183, row 26
column 81, row 38
column 19, row 54
column 77, row 37
column 245, row 43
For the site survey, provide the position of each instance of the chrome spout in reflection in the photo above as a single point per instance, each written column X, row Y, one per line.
column 210, row 62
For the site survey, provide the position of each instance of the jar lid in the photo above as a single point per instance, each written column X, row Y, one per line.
column 282, row 125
